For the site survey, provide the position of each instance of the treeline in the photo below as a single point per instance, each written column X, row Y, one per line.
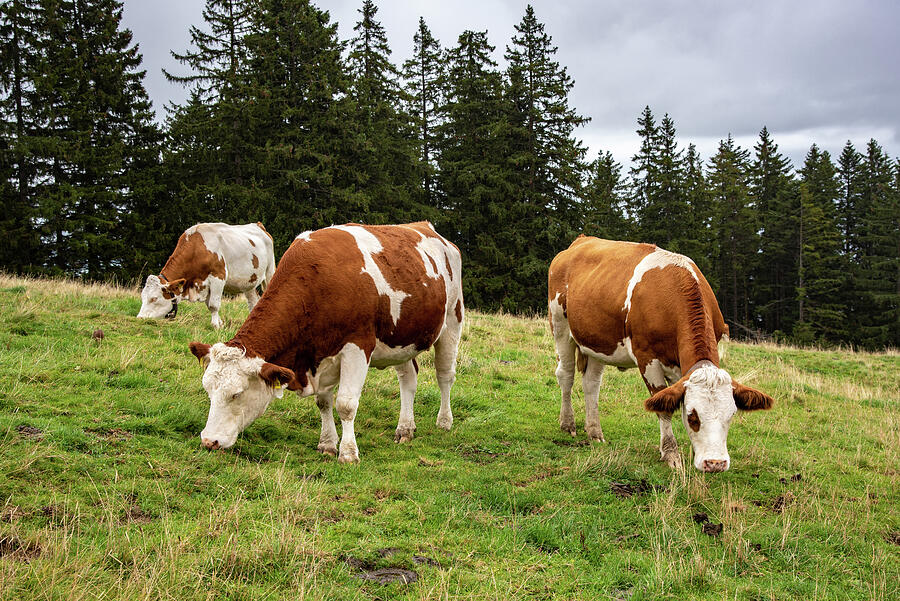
column 289, row 125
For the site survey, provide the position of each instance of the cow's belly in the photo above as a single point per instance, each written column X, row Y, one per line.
column 621, row 356
column 387, row 356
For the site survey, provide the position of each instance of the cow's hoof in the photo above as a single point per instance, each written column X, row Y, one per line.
column 328, row 449
column 568, row 429
column 673, row 460
column 404, row 434
column 595, row 433
column 348, row 459
column 445, row 422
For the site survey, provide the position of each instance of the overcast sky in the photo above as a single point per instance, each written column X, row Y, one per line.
column 821, row 71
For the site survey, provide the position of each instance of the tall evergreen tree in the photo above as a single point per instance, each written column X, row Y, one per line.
column 423, row 74
column 664, row 211
column 386, row 161
column 643, row 167
column 97, row 135
column 473, row 173
column 776, row 201
column 821, row 268
column 849, row 201
column 546, row 162
column 19, row 45
column 879, row 261
column 697, row 241
column 735, row 227
column 604, row 198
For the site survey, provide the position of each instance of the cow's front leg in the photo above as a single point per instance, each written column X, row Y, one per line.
column 328, row 437
column 668, row 447
column 406, row 425
column 354, row 365
column 214, row 300
column 590, row 382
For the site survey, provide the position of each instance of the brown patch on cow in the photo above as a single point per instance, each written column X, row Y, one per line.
column 250, row 240
column 693, row 421
column 255, row 261
column 449, row 269
column 293, row 325
column 458, row 310
column 263, row 228
column 252, row 278
column 192, row 262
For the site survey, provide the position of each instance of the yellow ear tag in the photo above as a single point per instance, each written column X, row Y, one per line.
column 279, row 390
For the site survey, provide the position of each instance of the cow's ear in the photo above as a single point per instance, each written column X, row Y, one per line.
column 176, row 286
column 277, row 377
column 201, row 351
column 666, row 400
column 151, row 279
column 750, row 399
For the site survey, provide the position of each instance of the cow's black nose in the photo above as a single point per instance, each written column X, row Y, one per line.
column 209, row 444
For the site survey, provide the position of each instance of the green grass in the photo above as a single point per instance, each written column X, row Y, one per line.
column 106, row 493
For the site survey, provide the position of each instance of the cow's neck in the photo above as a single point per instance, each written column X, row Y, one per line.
column 696, row 335
column 273, row 328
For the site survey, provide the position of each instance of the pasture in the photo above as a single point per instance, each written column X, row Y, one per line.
column 106, row 493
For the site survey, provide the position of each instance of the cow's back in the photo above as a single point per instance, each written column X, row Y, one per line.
column 590, row 281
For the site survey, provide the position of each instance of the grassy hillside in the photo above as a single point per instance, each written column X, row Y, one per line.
column 105, row 491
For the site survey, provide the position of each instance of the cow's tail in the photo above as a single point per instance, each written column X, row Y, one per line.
column 580, row 360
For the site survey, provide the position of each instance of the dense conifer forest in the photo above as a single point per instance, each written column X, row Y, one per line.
column 289, row 125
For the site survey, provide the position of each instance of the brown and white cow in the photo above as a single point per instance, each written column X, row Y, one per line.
column 636, row 305
column 343, row 299
column 211, row 259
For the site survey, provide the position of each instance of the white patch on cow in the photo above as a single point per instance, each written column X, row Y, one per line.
column 653, row 373
column 237, row 395
column 369, row 246
column 153, row 304
column 658, row 259
column 708, row 391
column 621, row 357
column 304, row 236
column 388, row 356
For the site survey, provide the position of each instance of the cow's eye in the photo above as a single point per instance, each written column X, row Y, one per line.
column 693, row 420
column 154, row 299
column 235, row 395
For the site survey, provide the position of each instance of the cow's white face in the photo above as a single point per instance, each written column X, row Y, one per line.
column 707, row 410
column 240, row 389
column 154, row 304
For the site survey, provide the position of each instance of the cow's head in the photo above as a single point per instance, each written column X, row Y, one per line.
column 708, row 398
column 240, row 389
column 160, row 300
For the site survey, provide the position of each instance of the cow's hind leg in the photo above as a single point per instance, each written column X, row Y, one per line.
column 565, row 370
column 214, row 300
column 252, row 298
column 328, row 437
column 446, row 348
column 591, row 382
column 406, row 425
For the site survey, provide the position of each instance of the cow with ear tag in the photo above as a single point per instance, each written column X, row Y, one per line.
column 635, row 305
column 343, row 299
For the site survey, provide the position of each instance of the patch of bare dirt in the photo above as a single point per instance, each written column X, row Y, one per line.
column 30, row 432
column 110, row 434
column 572, row 442
column 629, row 489
column 782, row 501
column 17, row 550
column 477, row 454
column 135, row 514
column 390, row 575
column 893, row 538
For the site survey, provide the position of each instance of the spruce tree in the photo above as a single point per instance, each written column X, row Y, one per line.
column 664, row 214
column 386, row 162
column 604, row 198
column 821, row 268
column 698, row 240
column 735, row 229
column 776, row 201
column 879, row 260
column 473, row 175
column 643, row 168
column 19, row 45
column 97, row 136
column 546, row 162
column 423, row 74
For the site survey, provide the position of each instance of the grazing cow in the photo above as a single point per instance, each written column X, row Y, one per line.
column 211, row 259
column 636, row 305
column 343, row 299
